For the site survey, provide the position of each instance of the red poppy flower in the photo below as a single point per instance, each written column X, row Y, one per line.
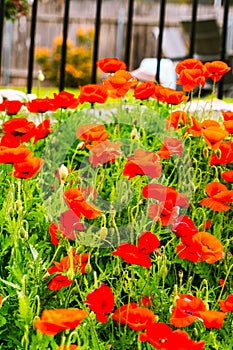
column 53, row 231
column 189, row 63
column 197, row 127
column 159, row 93
column 92, row 134
column 70, row 222
column 65, row 100
column 171, row 145
column 227, row 116
column 104, row 152
column 162, row 337
column 132, row 255
column 228, row 125
column 214, row 136
column 202, row 247
column 76, row 201
column 227, row 304
column 119, row 83
column 160, row 192
column 218, row 195
column 42, row 130
column 146, row 301
column 177, row 120
column 222, row 283
column 211, row 318
column 165, row 212
column 143, row 163
column 93, row 93
column 28, row 168
column 216, row 69
column 191, row 78
column 148, row 242
column 136, row 317
column 14, row 155
column 22, row 129
column 41, row 105
column 75, row 263
column 144, row 90
column 111, row 65
column 172, row 96
column 11, row 107
column 101, row 301
column 184, row 228
column 53, row 321
column 226, row 154
column 227, row 175
column 68, row 347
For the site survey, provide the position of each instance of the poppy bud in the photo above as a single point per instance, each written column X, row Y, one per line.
column 88, row 268
column 218, row 153
column 103, row 232
column 40, row 76
column 205, row 152
column 63, row 173
column 195, row 332
column 134, row 134
column 180, row 274
column 81, row 145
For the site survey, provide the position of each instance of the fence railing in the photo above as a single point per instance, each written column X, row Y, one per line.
column 128, row 38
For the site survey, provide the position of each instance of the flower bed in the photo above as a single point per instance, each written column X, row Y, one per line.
column 116, row 227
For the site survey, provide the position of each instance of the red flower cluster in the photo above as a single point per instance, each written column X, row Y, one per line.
column 139, row 255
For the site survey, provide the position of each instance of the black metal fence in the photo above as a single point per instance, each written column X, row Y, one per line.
column 128, row 40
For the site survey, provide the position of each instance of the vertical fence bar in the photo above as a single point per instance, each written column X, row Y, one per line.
column 193, row 29
column 96, row 40
column 64, row 45
column 2, row 11
column 32, row 46
column 129, row 33
column 223, row 44
column 160, row 38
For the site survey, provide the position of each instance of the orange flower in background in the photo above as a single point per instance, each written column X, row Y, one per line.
column 20, row 128
column 11, row 107
column 119, row 83
column 177, row 120
column 228, row 125
column 136, row 317
column 202, row 246
column 191, row 78
column 104, row 152
column 28, row 168
column 218, row 195
column 143, row 163
column 101, row 301
column 170, row 146
column 93, row 93
column 111, row 65
column 65, row 100
column 198, row 127
column 53, row 321
column 227, row 175
column 216, row 69
column 14, row 155
column 189, row 309
column 227, row 304
column 144, row 90
column 92, row 134
column 75, row 200
column 226, row 154
column 214, row 136
column 42, row 130
column 189, row 63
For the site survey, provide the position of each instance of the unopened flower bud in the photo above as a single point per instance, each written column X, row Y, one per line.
column 63, row 173
column 205, row 152
column 103, row 232
column 81, row 145
column 134, row 134
column 41, row 76
column 218, row 153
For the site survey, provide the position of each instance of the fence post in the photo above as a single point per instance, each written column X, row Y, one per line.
column 32, row 46
column 64, row 45
column 2, row 11
column 96, row 39
column 224, row 41
column 193, row 29
column 160, row 38
column 129, row 33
